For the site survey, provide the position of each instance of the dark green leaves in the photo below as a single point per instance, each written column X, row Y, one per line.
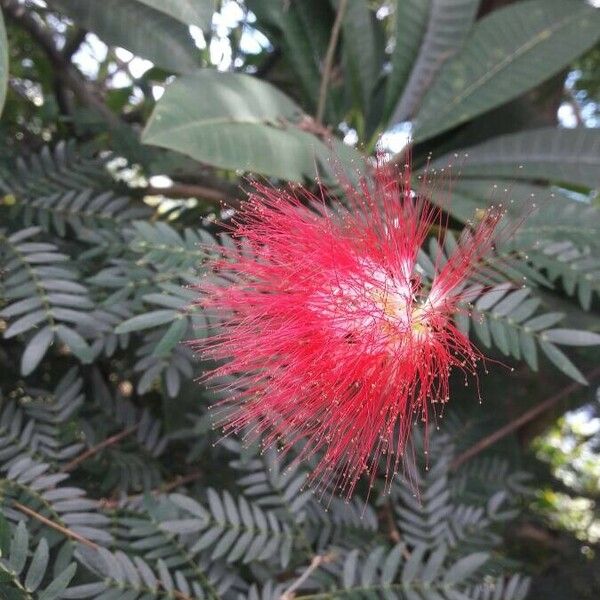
column 144, row 30
column 508, row 52
column 448, row 23
column 43, row 299
column 20, row 574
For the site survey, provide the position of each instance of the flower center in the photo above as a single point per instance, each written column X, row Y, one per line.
column 379, row 311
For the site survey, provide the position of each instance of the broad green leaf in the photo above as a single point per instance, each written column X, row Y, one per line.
column 137, row 27
column 448, row 24
column 36, row 350
column 571, row 337
column 3, row 62
column 189, row 12
column 508, row 53
column 556, row 155
column 359, row 50
column 410, row 20
column 146, row 321
column 234, row 121
column 518, row 198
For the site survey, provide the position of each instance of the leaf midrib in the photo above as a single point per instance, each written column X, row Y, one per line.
column 540, row 37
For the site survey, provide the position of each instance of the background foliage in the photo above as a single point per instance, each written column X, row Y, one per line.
column 127, row 128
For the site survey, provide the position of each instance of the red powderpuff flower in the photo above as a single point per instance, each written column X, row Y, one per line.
column 336, row 341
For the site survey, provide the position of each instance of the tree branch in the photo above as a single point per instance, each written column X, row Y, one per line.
column 65, row 71
column 315, row 563
column 329, row 55
column 73, row 44
column 517, row 423
column 57, row 527
column 163, row 489
column 191, row 190
column 110, row 441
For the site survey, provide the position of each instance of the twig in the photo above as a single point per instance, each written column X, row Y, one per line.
column 387, row 513
column 315, row 563
column 515, row 424
column 113, row 439
column 329, row 55
column 181, row 480
column 190, row 190
column 390, row 524
column 66, row 532
column 73, row 44
column 164, row 489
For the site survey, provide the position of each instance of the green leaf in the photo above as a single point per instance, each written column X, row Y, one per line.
column 359, row 50
column 350, row 568
column 556, row 155
column 134, row 25
column 25, row 323
column 448, row 23
column 410, row 25
column 172, row 337
column 146, row 321
column 59, row 585
column 5, row 536
column 571, row 337
column 509, row 52
column 18, row 548
column 463, row 568
column 76, row 344
column 37, row 568
column 413, row 564
column 390, row 566
column 36, row 350
column 543, row 321
column 11, row 593
column 560, row 360
column 234, row 121
column 528, row 349
column 3, row 62
column 189, row 12
column 434, row 563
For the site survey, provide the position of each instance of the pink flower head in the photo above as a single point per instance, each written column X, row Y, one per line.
column 334, row 338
